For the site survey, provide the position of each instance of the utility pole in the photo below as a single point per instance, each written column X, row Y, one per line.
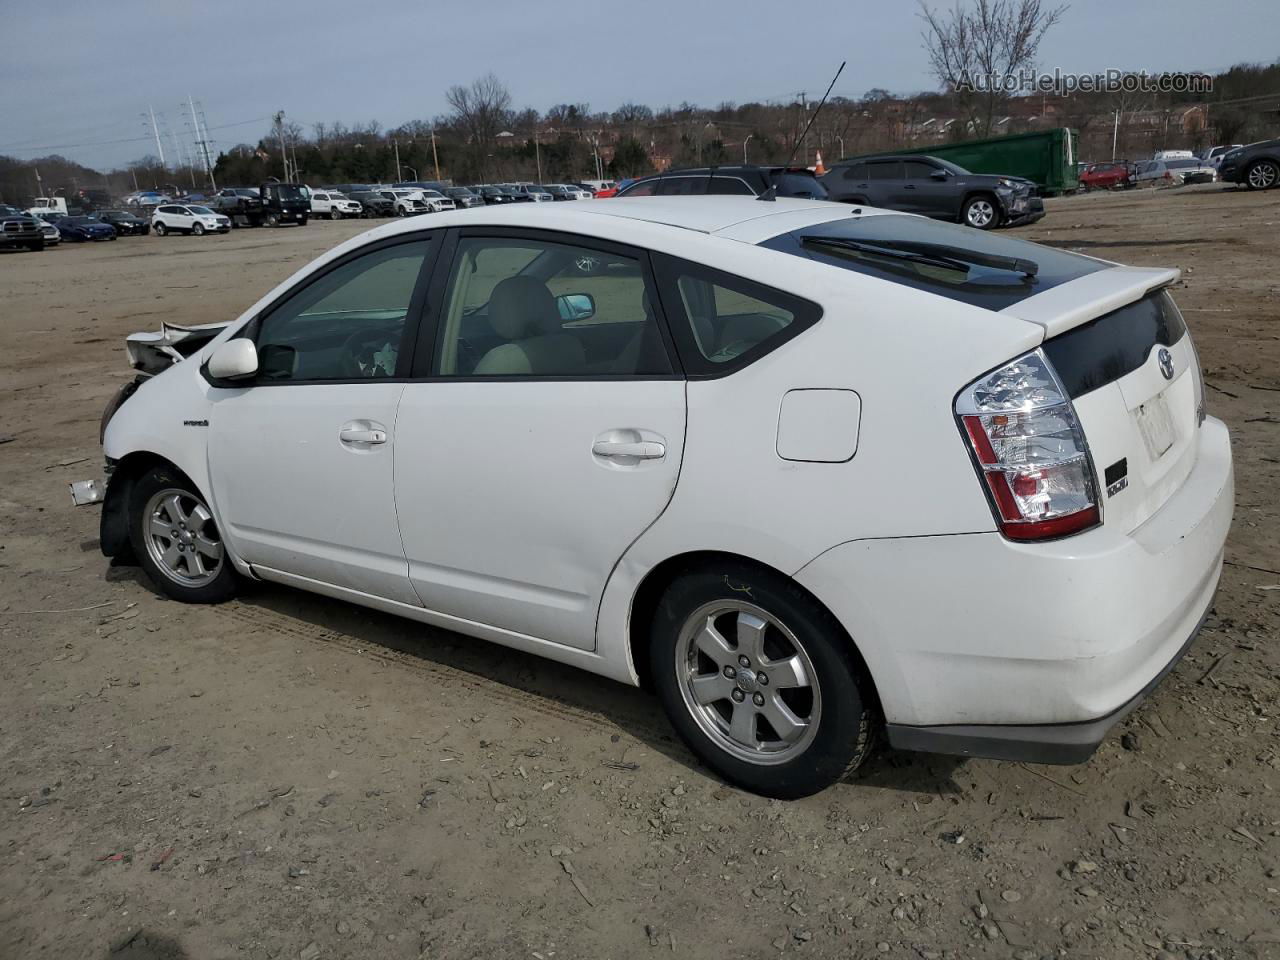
column 744, row 147
column 156, row 130
column 804, row 115
column 396, row 144
column 434, row 157
column 284, row 154
column 201, row 141
column 537, row 153
column 1115, row 135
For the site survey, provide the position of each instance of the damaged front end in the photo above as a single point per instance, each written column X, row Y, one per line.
column 150, row 353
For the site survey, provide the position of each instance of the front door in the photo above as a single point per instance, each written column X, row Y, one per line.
column 301, row 458
column 546, row 437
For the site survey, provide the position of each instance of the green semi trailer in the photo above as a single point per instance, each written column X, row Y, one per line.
column 1047, row 158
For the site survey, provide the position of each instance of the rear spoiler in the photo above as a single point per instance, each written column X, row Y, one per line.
column 154, row 352
column 1086, row 298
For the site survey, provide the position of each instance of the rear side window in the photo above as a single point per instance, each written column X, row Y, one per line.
column 795, row 184
column 644, row 188
column 722, row 322
column 855, row 171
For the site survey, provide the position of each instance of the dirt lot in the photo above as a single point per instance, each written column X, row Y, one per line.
column 286, row 776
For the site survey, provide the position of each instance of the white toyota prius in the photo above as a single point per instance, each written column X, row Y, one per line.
column 811, row 472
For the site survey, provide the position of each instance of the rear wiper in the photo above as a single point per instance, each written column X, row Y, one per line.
column 876, row 249
column 941, row 254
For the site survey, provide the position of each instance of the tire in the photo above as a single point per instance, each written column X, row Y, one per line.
column 401, row 212
column 1263, row 175
column 198, row 229
column 36, row 246
column 335, row 214
column 801, row 670
column 160, row 229
column 981, row 212
column 272, row 220
column 176, row 541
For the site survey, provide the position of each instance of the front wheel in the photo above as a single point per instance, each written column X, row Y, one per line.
column 981, row 214
column 760, row 681
column 198, row 229
column 335, row 214
column 273, row 220
column 161, row 230
column 176, row 540
column 1263, row 175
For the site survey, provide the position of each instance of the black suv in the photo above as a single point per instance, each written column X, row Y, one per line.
column 126, row 223
column 935, row 188
column 1257, row 166
column 745, row 181
column 374, row 203
column 19, row 229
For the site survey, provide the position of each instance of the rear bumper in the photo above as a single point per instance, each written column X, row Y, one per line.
column 986, row 647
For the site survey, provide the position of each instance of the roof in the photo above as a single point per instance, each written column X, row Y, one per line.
column 722, row 215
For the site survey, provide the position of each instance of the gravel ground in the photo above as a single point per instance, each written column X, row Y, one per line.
column 286, row 776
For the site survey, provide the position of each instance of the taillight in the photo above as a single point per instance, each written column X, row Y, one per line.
column 1030, row 450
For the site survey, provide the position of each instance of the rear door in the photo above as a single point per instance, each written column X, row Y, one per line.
column 543, row 433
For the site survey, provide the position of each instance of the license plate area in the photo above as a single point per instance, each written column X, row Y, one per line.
column 1156, row 426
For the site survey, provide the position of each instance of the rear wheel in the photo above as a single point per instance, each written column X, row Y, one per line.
column 760, row 681
column 1263, row 175
column 176, row 540
column 981, row 213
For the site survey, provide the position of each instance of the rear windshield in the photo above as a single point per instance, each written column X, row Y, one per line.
column 982, row 286
column 1116, row 344
column 804, row 185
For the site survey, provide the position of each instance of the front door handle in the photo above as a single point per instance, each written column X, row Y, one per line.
column 636, row 450
column 363, row 432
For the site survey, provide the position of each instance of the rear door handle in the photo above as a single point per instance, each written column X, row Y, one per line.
column 636, row 450
column 363, row 432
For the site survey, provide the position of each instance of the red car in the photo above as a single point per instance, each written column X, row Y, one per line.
column 1105, row 176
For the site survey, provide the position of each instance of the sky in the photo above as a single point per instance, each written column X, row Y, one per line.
column 78, row 74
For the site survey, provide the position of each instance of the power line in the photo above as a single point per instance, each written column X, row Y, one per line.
column 104, row 143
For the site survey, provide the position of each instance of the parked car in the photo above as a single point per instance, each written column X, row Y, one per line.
column 530, row 192
column 493, row 195
column 1173, row 155
column 146, row 198
column 747, row 181
column 374, row 204
column 20, row 230
column 334, row 205
column 558, row 191
column 125, row 223
column 85, row 228
column 935, row 188
column 595, row 186
column 1257, row 166
column 463, row 198
column 1105, row 176
column 1213, row 156
column 436, row 201
column 612, row 191
column 52, row 235
column 1173, row 172
column 194, row 219
column 730, row 354
column 405, row 203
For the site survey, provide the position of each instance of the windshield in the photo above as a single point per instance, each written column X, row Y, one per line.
column 993, row 282
column 289, row 191
column 201, row 211
column 80, row 221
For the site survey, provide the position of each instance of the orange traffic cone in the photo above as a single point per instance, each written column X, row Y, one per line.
column 818, row 168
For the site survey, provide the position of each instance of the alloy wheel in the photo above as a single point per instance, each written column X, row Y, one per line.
column 748, row 682
column 1264, row 175
column 181, row 537
column 980, row 213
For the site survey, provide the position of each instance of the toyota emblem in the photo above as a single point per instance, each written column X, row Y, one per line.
column 1165, row 359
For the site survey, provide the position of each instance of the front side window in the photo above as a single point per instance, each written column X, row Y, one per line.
column 885, row 170
column 534, row 308
column 855, row 171
column 346, row 325
column 722, row 321
column 917, row 169
column 731, row 186
column 683, row 186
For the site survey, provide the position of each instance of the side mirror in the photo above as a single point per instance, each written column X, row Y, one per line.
column 939, row 175
column 234, row 360
column 576, row 306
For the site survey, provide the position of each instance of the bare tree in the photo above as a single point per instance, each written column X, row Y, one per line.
column 481, row 109
column 979, row 52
